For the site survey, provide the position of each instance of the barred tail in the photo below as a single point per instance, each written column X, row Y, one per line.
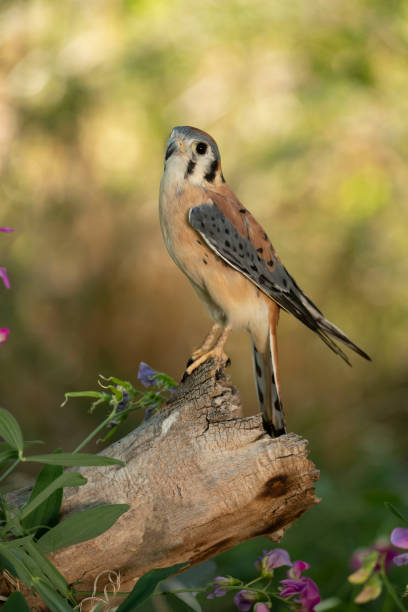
column 267, row 388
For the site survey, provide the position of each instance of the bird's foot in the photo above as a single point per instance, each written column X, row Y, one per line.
column 209, row 343
column 220, row 358
column 194, row 357
column 197, row 354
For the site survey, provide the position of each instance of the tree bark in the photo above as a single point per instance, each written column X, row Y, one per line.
column 199, row 480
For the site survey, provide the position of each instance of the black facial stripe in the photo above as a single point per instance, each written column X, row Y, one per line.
column 210, row 176
column 170, row 150
column 190, row 168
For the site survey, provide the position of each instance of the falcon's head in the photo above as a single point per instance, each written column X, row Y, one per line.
column 194, row 154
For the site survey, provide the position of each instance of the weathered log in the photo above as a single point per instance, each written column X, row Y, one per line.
column 199, row 480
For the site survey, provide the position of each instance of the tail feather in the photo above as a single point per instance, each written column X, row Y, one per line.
column 332, row 345
column 294, row 301
column 329, row 328
column 267, row 388
column 307, row 312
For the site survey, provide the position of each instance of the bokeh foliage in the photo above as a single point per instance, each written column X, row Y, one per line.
column 308, row 102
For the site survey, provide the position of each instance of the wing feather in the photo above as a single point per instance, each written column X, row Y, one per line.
column 234, row 235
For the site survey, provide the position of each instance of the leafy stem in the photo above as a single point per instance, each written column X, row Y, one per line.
column 10, row 469
column 390, row 588
column 95, row 431
column 246, row 586
column 196, row 590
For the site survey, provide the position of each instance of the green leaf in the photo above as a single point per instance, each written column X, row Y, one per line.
column 5, row 563
column 11, row 560
column 368, row 564
column 31, row 565
column 75, row 459
column 40, row 566
column 328, row 604
column 67, row 479
column 118, row 382
column 81, row 526
column 395, row 511
column 100, row 395
column 3, row 508
column 176, row 604
column 54, row 601
column 7, row 453
column 4, row 447
column 46, row 514
column 10, row 430
column 167, row 381
column 15, row 603
column 146, row 585
column 28, row 443
column 111, row 432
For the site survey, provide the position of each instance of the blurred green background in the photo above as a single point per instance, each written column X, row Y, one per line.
column 308, row 102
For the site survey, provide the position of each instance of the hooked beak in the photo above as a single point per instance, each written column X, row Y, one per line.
column 173, row 146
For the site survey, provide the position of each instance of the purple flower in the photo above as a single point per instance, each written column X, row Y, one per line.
column 270, row 560
column 6, row 229
column 399, row 538
column 262, row 607
column 304, row 588
column 146, row 375
column 244, row 600
column 123, row 402
column 386, row 553
column 4, row 277
column 149, row 411
column 219, row 583
column 4, row 332
column 401, row 559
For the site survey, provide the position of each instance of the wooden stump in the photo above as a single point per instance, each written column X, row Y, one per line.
column 199, row 480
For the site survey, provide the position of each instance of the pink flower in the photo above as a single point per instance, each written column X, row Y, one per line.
column 297, row 568
column 304, row 588
column 4, row 277
column 4, row 332
column 262, row 607
column 399, row 538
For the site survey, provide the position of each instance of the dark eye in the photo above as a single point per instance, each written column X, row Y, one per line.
column 201, row 148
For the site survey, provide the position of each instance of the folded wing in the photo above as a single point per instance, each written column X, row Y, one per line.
column 235, row 236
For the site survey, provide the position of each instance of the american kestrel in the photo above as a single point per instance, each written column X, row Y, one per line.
column 232, row 265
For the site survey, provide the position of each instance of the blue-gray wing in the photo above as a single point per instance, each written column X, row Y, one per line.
column 241, row 251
